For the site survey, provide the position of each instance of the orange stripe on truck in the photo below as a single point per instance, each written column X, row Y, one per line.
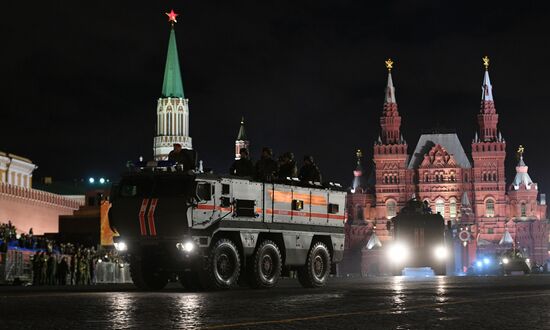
column 287, row 197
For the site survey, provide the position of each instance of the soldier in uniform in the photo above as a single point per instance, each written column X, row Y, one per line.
column 243, row 166
column 287, row 166
column 181, row 157
column 309, row 171
column 266, row 167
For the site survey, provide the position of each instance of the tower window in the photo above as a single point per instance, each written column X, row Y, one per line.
column 390, row 209
column 490, row 208
column 452, row 208
column 523, row 209
column 440, row 207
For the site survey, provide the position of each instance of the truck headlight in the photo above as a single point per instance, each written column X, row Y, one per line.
column 398, row 253
column 187, row 246
column 121, row 246
column 441, row 253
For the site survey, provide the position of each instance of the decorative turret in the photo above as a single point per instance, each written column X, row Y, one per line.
column 390, row 121
column 487, row 118
column 357, row 186
column 172, row 108
column 241, row 142
column 522, row 179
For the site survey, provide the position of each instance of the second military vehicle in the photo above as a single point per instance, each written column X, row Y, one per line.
column 419, row 239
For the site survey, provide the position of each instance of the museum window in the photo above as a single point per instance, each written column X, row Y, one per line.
column 490, row 208
column 391, row 209
column 440, row 207
column 452, row 208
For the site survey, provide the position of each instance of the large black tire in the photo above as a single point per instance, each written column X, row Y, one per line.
column 266, row 266
column 315, row 272
column 190, row 281
column 222, row 267
column 146, row 276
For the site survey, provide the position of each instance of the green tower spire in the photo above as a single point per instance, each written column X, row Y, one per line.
column 172, row 85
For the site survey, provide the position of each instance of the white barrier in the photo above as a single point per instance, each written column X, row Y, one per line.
column 111, row 272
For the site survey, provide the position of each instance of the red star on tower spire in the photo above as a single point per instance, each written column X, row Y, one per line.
column 172, row 16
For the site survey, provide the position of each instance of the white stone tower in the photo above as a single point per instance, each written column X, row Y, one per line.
column 172, row 106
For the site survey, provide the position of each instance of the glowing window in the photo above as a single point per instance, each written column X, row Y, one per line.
column 440, row 207
column 390, row 209
column 490, row 208
column 452, row 208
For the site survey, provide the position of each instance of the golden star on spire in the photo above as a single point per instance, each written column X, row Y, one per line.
column 389, row 64
column 172, row 16
column 486, row 62
column 521, row 150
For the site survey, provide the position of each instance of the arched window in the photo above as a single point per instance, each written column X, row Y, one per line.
column 426, row 178
column 465, row 177
column 385, row 179
column 452, row 208
column 523, row 209
column 494, row 177
column 484, row 176
column 440, row 207
column 360, row 214
column 391, row 209
column 490, row 208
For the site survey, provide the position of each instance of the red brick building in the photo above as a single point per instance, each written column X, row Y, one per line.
column 468, row 190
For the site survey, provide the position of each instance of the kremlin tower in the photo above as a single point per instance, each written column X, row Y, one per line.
column 390, row 156
column 241, row 142
column 172, row 107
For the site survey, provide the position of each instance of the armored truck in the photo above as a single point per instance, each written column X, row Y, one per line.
column 213, row 232
column 419, row 239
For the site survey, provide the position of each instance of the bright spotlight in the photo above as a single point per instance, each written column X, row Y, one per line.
column 121, row 246
column 486, row 261
column 102, row 180
column 91, row 180
column 505, row 261
column 398, row 253
column 441, row 253
column 479, row 264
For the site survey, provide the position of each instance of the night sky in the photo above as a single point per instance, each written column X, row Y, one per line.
column 80, row 81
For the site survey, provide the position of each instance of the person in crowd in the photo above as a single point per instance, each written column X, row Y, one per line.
column 309, row 171
column 62, row 270
column 287, row 166
column 266, row 167
column 243, row 166
column 50, row 269
column 43, row 268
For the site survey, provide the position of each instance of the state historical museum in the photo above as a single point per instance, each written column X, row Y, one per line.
column 486, row 214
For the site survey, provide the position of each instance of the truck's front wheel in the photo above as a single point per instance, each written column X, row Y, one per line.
column 145, row 275
column 222, row 266
column 315, row 272
column 266, row 266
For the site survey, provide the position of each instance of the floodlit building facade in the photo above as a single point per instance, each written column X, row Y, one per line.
column 485, row 215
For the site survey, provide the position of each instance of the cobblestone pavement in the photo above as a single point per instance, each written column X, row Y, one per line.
column 521, row 302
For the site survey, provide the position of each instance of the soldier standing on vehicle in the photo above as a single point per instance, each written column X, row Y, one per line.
column 266, row 167
column 287, row 166
column 242, row 166
column 177, row 154
column 309, row 171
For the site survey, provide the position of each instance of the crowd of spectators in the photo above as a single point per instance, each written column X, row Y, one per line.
column 55, row 263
